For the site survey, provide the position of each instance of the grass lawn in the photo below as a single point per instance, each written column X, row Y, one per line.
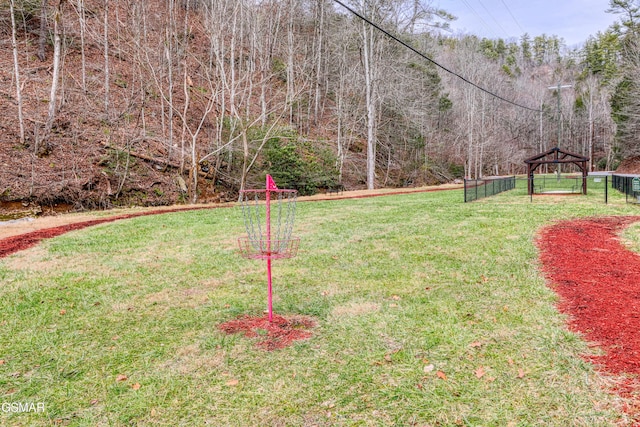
column 429, row 312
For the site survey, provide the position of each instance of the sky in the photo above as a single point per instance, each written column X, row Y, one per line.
column 572, row 20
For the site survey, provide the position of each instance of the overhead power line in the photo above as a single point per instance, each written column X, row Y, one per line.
column 480, row 19
column 514, row 18
column 422, row 55
column 493, row 18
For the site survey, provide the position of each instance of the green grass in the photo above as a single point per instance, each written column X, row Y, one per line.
column 631, row 237
column 405, row 290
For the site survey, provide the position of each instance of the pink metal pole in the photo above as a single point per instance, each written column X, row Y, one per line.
column 269, row 301
column 268, row 215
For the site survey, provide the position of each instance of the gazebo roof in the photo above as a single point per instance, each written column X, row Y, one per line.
column 555, row 155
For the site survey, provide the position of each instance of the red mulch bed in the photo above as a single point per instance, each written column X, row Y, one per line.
column 279, row 333
column 598, row 280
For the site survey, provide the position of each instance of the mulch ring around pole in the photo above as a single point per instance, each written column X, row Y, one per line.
column 272, row 335
column 598, row 281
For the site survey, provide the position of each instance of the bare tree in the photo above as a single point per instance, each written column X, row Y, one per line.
column 290, row 58
column 107, row 78
column 83, row 27
column 55, row 80
column 42, row 40
column 16, row 67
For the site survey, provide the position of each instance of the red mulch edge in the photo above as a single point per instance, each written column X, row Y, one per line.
column 598, row 281
column 14, row 244
column 277, row 334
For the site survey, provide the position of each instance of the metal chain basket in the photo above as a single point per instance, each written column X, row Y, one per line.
column 268, row 218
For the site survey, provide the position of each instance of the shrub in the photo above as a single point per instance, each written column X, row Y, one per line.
column 301, row 165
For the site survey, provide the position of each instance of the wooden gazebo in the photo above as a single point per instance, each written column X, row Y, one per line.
column 556, row 156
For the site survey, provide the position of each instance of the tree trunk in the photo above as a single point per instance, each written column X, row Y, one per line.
column 318, row 58
column 83, row 27
column 42, row 40
column 106, row 58
column 367, row 51
column 57, row 48
column 16, row 67
column 185, row 126
column 170, row 106
column 290, row 54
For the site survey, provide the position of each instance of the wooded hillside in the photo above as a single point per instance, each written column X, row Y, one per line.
column 108, row 102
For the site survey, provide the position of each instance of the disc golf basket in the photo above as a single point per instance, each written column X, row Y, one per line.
column 268, row 218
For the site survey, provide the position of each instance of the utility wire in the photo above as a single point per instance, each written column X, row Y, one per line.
column 487, row 26
column 514, row 18
column 493, row 18
column 432, row 61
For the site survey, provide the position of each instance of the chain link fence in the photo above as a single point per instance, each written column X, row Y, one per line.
column 628, row 185
column 475, row 189
column 542, row 184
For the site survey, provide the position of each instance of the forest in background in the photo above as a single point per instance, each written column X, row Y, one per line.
column 108, row 102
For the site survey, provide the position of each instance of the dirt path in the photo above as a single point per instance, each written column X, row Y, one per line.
column 598, row 281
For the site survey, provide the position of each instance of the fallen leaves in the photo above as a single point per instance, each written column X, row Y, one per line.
column 232, row 383
column 122, row 378
column 430, row 367
column 328, row 404
column 482, row 372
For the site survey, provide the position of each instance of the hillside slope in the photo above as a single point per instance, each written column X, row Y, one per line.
column 122, row 127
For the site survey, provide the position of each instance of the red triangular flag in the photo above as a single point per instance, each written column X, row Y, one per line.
column 271, row 185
